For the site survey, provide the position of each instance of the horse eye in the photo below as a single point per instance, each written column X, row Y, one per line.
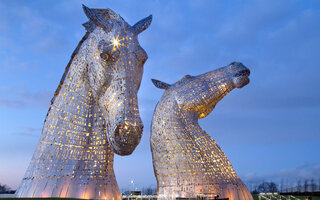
column 107, row 52
column 104, row 56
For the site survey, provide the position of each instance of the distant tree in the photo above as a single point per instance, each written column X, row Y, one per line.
column 273, row 187
column 263, row 187
column 254, row 189
column 291, row 187
column 4, row 189
column 306, row 185
column 281, row 185
column 252, row 186
column 313, row 185
column 267, row 187
column 299, row 186
column 287, row 186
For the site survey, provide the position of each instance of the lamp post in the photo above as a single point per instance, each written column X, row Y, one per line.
column 133, row 188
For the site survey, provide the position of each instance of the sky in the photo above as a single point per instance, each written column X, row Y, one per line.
column 269, row 129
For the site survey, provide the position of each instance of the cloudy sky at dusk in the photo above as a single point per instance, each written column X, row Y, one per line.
column 269, row 129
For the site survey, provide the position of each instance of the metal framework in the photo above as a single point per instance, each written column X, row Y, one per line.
column 187, row 161
column 94, row 113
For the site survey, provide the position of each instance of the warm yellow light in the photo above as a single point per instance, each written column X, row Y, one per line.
column 115, row 42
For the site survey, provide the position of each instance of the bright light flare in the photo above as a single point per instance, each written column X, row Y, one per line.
column 115, row 42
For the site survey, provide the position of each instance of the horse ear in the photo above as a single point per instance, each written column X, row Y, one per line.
column 89, row 26
column 142, row 25
column 160, row 84
column 96, row 19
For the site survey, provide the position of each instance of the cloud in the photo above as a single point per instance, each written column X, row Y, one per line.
column 273, row 40
column 13, row 63
column 303, row 172
column 50, row 44
column 19, row 97
column 33, row 31
column 28, row 131
column 11, row 103
column 246, row 24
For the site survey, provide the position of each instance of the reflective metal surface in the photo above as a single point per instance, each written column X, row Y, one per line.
column 187, row 161
column 94, row 113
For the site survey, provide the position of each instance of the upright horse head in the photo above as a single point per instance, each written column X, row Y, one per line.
column 115, row 65
column 94, row 113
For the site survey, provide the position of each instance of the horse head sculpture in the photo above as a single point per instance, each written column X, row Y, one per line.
column 187, row 161
column 201, row 93
column 115, row 68
column 93, row 114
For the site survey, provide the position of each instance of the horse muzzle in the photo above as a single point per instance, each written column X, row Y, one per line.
column 126, row 138
column 241, row 75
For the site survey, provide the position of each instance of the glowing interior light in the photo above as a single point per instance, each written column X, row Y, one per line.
column 187, row 161
column 115, row 42
column 79, row 124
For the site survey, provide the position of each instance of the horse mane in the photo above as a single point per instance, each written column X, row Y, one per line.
column 75, row 52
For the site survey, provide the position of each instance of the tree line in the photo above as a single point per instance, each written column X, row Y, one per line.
column 4, row 189
column 285, row 186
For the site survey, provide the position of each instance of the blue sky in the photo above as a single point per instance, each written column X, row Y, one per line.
column 268, row 129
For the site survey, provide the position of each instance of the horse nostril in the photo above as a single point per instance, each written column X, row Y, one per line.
column 136, row 129
column 125, row 138
column 118, row 131
column 140, row 127
column 128, row 130
column 243, row 72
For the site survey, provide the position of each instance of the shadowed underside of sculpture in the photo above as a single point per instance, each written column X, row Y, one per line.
column 187, row 161
column 94, row 113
